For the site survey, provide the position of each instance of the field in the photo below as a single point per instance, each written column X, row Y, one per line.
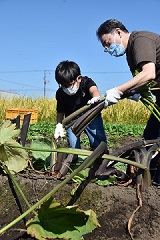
column 127, row 118
column 125, row 111
column 112, row 204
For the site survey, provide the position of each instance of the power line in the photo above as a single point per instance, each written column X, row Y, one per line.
column 22, row 84
column 23, row 71
column 45, row 72
column 32, row 89
column 106, row 72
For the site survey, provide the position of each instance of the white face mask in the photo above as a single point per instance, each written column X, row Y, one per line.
column 71, row 90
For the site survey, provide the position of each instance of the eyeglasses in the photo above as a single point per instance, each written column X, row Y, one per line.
column 105, row 49
column 106, row 45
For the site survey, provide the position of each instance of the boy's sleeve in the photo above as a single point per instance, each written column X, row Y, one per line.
column 90, row 83
column 60, row 104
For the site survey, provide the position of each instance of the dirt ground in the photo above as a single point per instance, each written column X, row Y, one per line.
column 112, row 204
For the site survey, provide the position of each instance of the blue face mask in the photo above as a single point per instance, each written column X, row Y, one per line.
column 116, row 50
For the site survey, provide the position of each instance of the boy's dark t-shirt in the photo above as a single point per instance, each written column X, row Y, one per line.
column 144, row 46
column 69, row 104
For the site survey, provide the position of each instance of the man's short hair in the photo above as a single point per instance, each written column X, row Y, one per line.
column 109, row 26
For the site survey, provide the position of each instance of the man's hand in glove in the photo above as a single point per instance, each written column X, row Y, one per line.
column 59, row 131
column 93, row 100
column 112, row 97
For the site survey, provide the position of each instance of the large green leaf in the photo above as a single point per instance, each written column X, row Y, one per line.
column 82, row 175
column 106, row 182
column 11, row 155
column 56, row 221
column 8, row 131
column 37, row 144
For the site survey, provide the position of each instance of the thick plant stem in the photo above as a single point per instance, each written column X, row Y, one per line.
column 83, row 152
column 152, row 107
column 53, row 155
column 17, row 186
column 97, row 152
column 79, row 112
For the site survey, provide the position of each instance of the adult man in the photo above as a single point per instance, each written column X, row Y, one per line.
column 142, row 50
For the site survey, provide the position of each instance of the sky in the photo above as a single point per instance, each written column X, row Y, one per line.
column 38, row 34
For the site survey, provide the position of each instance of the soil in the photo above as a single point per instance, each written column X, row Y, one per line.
column 113, row 206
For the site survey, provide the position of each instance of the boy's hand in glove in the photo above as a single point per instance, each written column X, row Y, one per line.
column 59, row 131
column 93, row 100
column 112, row 97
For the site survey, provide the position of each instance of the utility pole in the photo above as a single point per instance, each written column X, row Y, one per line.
column 45, row 81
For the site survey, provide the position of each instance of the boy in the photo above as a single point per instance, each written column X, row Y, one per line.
column 75, row 92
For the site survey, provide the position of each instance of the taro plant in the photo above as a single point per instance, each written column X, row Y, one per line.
column 147, row 97
column 10, row 152
column 14, row 158
column 56, row 221
column 40, row 159
column 43, row 225
column 86, row 221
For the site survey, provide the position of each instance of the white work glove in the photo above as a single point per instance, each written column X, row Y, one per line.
column 59, row 131
column 93, row 100
column 112, row 97
column 136, row 96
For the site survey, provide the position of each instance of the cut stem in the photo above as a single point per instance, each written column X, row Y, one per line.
column 17, row 186
column 97, row 152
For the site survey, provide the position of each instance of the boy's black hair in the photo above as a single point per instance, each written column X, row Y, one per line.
column 66, row 72
column 109, row 26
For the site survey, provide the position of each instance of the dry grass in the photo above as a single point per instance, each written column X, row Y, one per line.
column 46, row 107
column 125, row 111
